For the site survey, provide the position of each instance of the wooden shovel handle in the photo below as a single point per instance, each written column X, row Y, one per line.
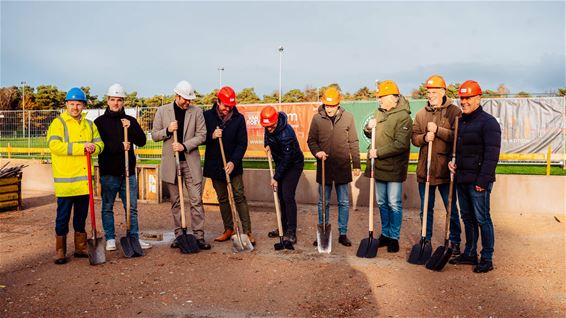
column 127, row 174
column 451, row 187
column 275, row 197
column 427, row 188
column 180, row 184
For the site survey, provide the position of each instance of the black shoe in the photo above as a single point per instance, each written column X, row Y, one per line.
column 393, row 246
column 203, row 245
column 464, row 259
column 383, row 241
column 484, row 266
column 292, row 237
column 274, row 233
column 175, row 243
column 315, row 243
column 455, row 249
column 344, row 240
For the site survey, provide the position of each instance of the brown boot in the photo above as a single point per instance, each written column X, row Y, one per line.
column 60, row 249
column 80, row 245
column 252, row 239
column 225, row 236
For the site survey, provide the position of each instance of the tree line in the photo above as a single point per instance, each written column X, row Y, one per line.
column 46, row 97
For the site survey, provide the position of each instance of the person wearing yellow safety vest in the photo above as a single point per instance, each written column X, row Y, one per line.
column 69, row 137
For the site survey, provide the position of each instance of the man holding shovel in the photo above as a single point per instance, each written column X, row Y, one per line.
column 224, row 123
column 435, row 122
column 333, row 138
column 392, row 122
column 477, row 154
column 69, row 137
column 281, row 141
column 187, row 122
column 112, row 163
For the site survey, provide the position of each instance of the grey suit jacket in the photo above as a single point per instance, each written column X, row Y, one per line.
column 194, row 134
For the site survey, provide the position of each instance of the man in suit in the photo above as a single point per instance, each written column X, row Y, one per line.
column 187, row 122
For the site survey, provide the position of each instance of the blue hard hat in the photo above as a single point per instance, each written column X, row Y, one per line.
column 76, row 93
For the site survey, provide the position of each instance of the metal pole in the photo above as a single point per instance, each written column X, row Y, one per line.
column 220, row 69
column 29, row 133
column 23, row 108
column 280, row 63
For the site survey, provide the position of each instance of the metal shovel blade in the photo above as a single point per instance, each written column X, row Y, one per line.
column 283, row 244
column 439, row 258
column 420, row 253
column 368, row 247
column 187, row 243
column 131, row 246
column 96, row 254
column 324, row 238
column 241, row 243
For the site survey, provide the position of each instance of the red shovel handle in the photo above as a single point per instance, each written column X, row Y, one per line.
column 90, row 195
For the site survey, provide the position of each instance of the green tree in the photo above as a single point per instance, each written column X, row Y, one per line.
column 452, row 90
column 562, row 91
column 293, row 96
column 132, row 100
column 271, row 99
column 311, row 94
column 209, row 99
column 49, row 97
column 522, row 94
column 247, row 96
column 9, row 98
column 363, row 94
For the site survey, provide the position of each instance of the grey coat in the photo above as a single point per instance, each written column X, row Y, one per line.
column 194, row 134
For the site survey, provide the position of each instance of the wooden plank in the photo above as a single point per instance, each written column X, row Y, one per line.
column 9, row 204
column 9, row 196
column 9, row 188
column 7, row 181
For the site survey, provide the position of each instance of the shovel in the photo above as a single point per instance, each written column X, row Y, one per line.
column 368, row 246
column 443, row 253
column 187, row 242
column 323, row 231
column 421, row 251
column 283, row 244
column 130, row 244
column 240, row 242
column 95, row 246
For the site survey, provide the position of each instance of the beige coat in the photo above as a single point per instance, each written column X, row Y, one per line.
column 194, row 134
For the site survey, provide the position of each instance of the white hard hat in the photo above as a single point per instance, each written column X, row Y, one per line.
column 185, row 90
column 116, row 90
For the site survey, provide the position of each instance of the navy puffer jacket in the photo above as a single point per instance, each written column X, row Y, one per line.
column 284, row 147
column 477, row 149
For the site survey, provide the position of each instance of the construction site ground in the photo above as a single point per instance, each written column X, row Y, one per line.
column 529, row 279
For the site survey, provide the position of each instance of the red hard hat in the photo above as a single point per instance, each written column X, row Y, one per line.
column 469, row 88
column 227, row 96
column 268, row 116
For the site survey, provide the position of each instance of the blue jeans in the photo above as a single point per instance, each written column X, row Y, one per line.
column 111, row 185
column 389, row 196
column 80, row 212
column 343, row 194
column 455, row 229
column 474, row 207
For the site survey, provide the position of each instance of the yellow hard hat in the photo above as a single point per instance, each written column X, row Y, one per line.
column 387, row 87
column 331, row 96
column 435, row 81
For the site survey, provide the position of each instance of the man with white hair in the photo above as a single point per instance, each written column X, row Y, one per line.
column 112, row 163
column 187, row 121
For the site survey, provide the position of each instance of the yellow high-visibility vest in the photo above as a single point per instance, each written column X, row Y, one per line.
column 66, row 138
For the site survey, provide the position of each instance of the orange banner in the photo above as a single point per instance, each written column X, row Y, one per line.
column 299, row 116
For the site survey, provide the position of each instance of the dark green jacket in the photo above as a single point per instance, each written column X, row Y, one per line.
column 392, row 142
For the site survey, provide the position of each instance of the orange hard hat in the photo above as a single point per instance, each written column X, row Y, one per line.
column 435, row 81
column 387, row 87
column 268, row 116
column 227, row 96
column 331, row 96
column 469, row 88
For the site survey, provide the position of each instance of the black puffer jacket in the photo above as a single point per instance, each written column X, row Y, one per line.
column 235, row 142
column 284, row 147
column 477, row 148
column 111, row 160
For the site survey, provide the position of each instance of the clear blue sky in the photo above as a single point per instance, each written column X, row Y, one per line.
column 149, row 46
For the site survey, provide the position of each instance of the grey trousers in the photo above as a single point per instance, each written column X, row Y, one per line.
column 194, row 188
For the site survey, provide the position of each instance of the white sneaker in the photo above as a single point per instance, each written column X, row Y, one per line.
column 111, row 245
column 144, row 245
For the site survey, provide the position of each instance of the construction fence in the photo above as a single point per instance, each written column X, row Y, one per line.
column 532, row 128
